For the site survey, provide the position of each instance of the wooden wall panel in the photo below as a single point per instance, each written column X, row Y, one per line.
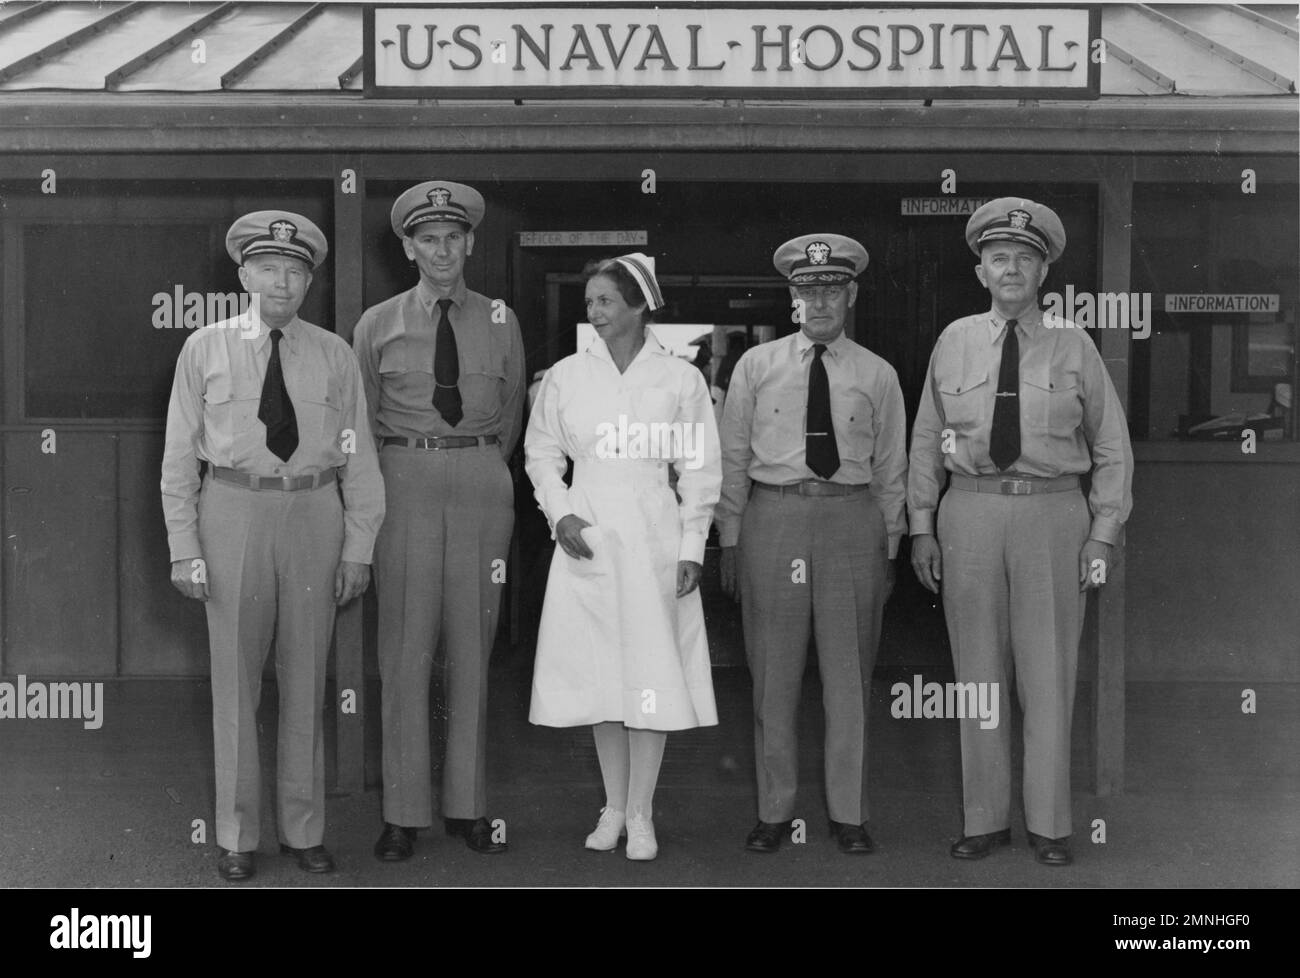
column 163, row 634
column 60, row 554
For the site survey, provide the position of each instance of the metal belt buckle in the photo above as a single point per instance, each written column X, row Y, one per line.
column 1016, row 487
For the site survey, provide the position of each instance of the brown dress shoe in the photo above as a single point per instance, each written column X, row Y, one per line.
column 395, row 844
column 1051, row 852
column 979, row 846
column 235, row 866
column 852, row 839
column 314, row 860
column 477, row 833
column 766, row 836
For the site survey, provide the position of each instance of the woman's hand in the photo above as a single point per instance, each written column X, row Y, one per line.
column 688, row 577
column 568, row 534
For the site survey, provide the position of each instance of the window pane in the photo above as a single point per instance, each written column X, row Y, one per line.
column 92, row 350
column 1222, row 271
column 107, row 266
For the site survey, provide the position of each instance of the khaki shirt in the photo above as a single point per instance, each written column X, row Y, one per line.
column 763, row 427
column 1071, row 421
column 395, row 342
column 212, row 416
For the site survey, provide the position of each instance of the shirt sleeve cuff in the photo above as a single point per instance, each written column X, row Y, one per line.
column 728, row 533
column 1105, row 529
column 358, row 550
column 184, row 545
column 921, row 521
column 692, row 547
column 557, row 506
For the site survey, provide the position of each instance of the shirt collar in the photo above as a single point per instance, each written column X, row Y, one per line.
column 650, row 348
column 429, row 301
column 292, row 334
column 803, row 343
column 1028, row 323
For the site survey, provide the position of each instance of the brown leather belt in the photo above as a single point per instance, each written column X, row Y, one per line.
column 441, row 442
column 296, row 483
column 812, row 487
column 1013, row 485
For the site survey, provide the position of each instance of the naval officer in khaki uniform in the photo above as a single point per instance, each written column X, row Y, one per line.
column 814, row 470
column 275, row 408
column 1017, row 405
column 444, row 377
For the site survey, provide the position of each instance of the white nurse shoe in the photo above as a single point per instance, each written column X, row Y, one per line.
column 608, row 830
column 641, row 842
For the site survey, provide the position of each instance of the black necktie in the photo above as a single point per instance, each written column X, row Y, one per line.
column 446, row 369
column 1004, row 439
column 820, row 450
column 276, row 410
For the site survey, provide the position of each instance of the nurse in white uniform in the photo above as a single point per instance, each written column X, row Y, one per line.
column 622, row 644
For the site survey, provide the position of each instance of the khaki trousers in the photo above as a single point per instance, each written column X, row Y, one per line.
column 440, row 563
column 271, row 559
column 1013, row 605
column 839, row 591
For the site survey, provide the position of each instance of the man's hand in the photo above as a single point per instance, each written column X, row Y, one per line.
column 350, row 581
column 190, row 577
column 927, row 560
column 568, row 534
column 688, row 577
column 727, row 561
column 1092, row 575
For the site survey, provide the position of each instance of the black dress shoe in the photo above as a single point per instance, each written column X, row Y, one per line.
column 314, row 860
column 852, row 839
column 766, row 836
column 979, row 846
column 1051, row 852
column 476, row 832
column 395, row 844
column 235, row 865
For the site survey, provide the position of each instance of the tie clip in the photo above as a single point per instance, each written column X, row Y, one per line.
column 1005, row 394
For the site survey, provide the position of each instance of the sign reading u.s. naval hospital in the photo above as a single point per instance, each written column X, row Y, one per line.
column 706, row 50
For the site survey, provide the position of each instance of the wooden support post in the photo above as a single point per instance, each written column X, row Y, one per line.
column 1116, row 219
column 347, row 246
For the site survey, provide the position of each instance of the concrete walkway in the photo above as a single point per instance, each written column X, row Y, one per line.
column 1212, row 800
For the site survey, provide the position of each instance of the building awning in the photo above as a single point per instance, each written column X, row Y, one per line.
column 124, row 77
column 1153, row 49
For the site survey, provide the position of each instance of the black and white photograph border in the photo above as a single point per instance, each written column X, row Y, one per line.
column 1162, row 138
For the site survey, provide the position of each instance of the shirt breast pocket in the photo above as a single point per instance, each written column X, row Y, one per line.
column 1051, row 400
column 319, row 408
column 481, row 387
column 963, row 392
column 228, row 407
column 406, row 374
column 854, row 417
column 781, row 407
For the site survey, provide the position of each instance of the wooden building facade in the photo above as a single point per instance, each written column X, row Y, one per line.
column 123, row 159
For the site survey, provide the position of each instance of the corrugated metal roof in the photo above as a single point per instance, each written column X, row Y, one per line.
column 1213, row 49
column 1159, row 49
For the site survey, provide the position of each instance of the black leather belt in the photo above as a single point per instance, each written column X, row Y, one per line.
column 813, row 487
column 294, row 483
column 1013, row 485
column 441, row 442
